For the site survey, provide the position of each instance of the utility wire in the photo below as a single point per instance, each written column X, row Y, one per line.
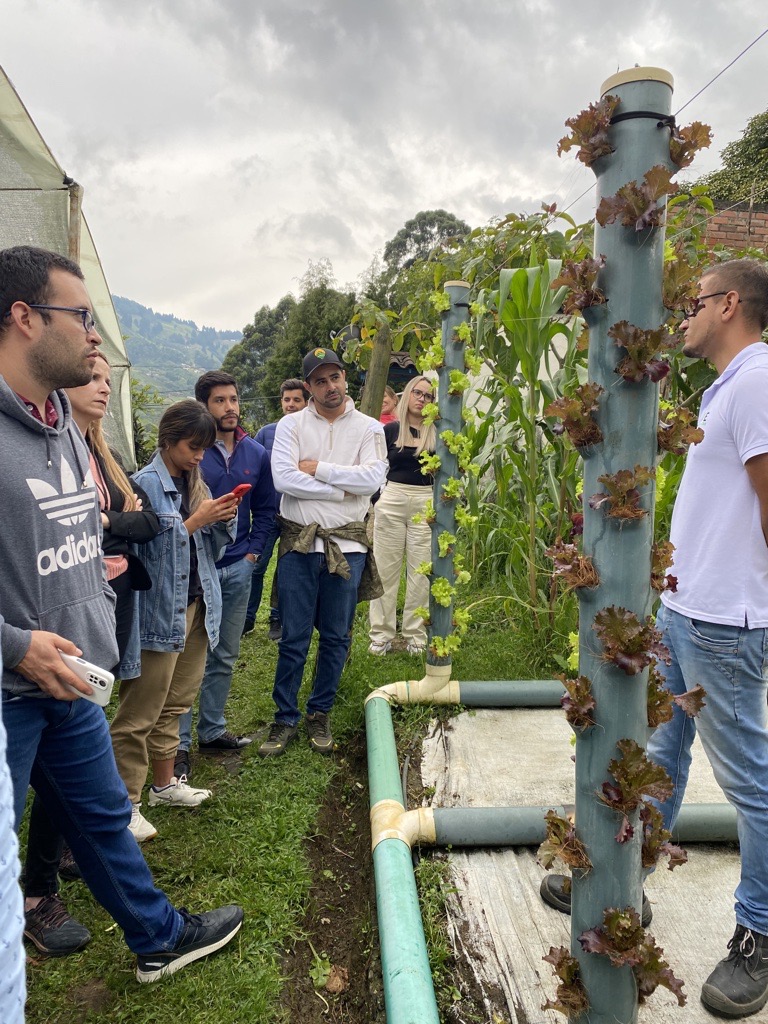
column 757, row 40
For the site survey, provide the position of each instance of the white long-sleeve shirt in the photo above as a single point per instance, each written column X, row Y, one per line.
column 351, row 457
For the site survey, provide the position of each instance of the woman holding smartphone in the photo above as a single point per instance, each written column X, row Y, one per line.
column 178, row 617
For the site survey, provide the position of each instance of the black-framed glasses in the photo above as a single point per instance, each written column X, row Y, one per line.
column 428, row 396
column 689, row 312
column 85, row 314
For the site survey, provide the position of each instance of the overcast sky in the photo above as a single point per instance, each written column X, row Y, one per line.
column 224, row 143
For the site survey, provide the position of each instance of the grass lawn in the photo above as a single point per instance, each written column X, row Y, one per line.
column 260, row 841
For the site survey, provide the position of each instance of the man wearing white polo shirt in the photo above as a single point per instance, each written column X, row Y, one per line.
column 716, row 623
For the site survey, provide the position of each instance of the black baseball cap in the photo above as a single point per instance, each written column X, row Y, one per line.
column 319, row 357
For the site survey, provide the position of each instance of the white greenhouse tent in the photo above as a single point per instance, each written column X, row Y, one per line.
column 41, row 206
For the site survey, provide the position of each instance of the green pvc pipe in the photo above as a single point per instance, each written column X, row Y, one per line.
column 706, row 823
column 525, row 826
column 450, row 405
column 511, row 693
column 409, row 994
column 621, row 552
column 491, row 826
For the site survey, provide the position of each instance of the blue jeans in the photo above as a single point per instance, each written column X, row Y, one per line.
column 235, row 583
column 730, row 663
column 63, row 748
column 257, row 583
column 309, row 596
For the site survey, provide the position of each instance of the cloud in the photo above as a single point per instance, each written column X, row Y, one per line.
column 223, row 143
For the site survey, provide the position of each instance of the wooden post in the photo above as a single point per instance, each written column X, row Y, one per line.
column 378, row 371
column 75, row 210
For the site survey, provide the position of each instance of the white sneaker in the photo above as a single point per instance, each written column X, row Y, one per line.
column 178, row 794
column 380, row 647
column 415, row 647
column 141, row 829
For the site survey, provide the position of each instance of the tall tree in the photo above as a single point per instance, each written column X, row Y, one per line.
column 419, row 236
column 320, row 311
column 745, row 165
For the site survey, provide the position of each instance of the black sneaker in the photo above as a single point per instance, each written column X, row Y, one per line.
column 227, row 741
column 52, row 929
column 181, row 765
column 280, row 735
column 555, row 890
column 203, row 934
column 738, row 986
column 319, row 732
column 248, row 626
column 68, row 869
column 275, row 629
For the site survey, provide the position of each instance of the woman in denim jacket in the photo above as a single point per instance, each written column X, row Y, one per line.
column 178, row 617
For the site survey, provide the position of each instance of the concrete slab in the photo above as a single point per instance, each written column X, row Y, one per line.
column 499, row 925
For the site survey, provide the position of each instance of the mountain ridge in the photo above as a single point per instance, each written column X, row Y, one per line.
column 167, row 352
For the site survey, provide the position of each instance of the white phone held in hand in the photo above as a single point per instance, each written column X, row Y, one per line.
column 98, row 678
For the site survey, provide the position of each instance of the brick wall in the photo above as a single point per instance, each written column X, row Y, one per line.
column 740, row 228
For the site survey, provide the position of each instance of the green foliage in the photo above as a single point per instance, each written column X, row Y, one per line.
column 563, row 844
column 571, row 996
column 745, row 165
column 527, row 482
column 419, row 237
column 626, row 943
column 320, row 311
column 247, row 360
column 144, row 401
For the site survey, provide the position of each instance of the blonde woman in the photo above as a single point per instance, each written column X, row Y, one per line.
column 395, row 535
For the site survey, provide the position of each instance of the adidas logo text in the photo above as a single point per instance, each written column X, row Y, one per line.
column 70, row 553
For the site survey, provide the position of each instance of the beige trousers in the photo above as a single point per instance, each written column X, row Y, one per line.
column 146, row 725
column 395, row 536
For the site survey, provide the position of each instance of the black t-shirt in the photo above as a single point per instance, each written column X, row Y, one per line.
column 404, row 466
column 195, row 587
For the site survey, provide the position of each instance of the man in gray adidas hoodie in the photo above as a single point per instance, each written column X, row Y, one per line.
column 54, row 597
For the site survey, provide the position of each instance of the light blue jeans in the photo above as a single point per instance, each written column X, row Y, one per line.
column 730, row 663
column 235, row 580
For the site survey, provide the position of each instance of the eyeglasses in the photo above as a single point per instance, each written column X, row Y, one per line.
column 428, row 396
column 85, row 314
column 689, row 312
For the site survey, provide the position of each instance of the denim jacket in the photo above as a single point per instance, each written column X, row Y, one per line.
column 161, row 621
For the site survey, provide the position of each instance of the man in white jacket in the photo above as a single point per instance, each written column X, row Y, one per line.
column 327, row 461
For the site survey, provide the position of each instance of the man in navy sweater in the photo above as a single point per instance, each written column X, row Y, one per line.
column 235, row 458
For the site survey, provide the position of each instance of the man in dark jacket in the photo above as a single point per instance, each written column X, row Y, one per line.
column 54, row 599
column 234, row 459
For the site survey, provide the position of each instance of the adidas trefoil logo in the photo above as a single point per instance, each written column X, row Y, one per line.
column 68, row 508
column 72, row 505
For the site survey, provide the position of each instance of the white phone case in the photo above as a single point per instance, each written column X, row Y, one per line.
column 98, row 678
